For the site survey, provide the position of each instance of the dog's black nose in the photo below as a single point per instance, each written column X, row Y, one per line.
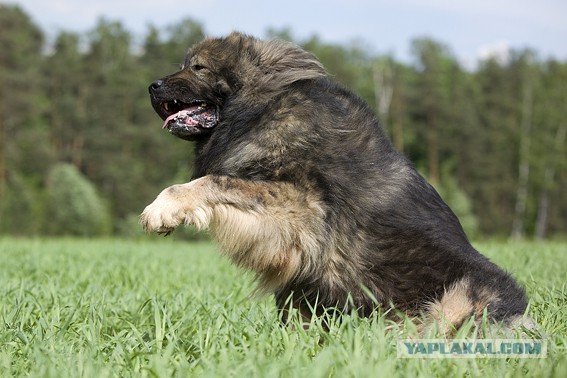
column 155, row 85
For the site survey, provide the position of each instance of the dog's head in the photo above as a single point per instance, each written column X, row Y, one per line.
column 190, row 100
column 218, row 70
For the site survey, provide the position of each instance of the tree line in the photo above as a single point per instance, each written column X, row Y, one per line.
column 81, row 150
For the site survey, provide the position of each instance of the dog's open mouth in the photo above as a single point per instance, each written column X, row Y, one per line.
column 180, row 117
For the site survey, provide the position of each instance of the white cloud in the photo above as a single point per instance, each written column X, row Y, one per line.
column 499, row 50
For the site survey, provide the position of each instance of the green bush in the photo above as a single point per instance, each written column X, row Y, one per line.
column 20, row 207
column 74, row 206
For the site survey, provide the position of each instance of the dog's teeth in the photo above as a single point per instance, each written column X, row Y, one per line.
column 166, row 106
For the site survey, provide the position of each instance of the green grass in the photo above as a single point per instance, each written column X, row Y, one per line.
column 98, row 308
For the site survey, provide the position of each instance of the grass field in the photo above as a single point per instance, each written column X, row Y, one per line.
column 161, row 308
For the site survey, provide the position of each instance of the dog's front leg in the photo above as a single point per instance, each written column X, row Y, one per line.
column 222, row 198
column 269, row 227
column 179, row 204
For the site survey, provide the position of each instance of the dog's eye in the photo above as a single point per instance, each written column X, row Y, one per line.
column 197, row 67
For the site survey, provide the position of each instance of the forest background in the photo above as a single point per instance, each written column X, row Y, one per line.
column 82, row 152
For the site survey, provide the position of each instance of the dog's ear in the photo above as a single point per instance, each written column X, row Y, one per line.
column 223, row 88
column 262, row 68
column 285, row 63
column 238, row 38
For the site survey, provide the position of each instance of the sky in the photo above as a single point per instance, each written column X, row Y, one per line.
column 472, row 29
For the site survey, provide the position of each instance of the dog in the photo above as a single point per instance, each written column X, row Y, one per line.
column 298, row 183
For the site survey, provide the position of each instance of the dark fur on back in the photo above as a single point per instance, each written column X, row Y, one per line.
column 366, row 221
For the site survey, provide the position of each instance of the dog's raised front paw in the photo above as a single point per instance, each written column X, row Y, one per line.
column 162, row 216
column 176, row 205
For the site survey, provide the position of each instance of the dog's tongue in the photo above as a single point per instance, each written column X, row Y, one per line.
column 185, row 113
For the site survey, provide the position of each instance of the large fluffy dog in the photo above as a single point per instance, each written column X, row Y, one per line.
column 298, row 182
